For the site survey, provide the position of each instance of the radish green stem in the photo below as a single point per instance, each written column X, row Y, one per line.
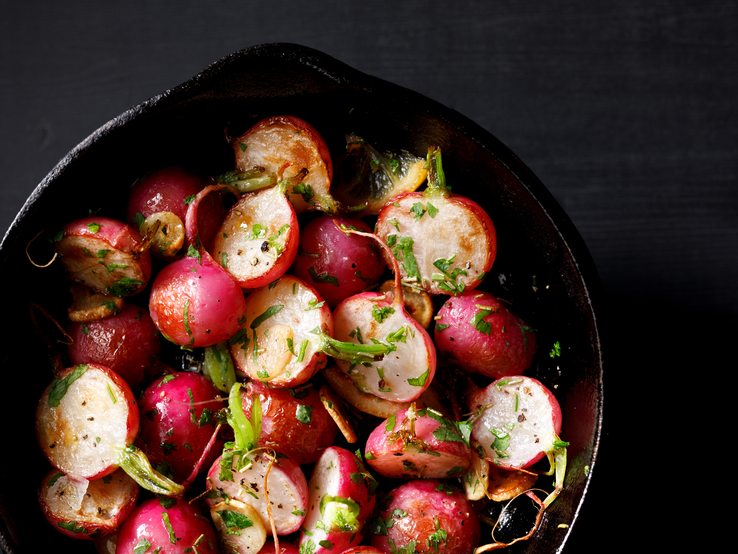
column 218, row 366
column 436, row 177
column 350, row 351
column 250, row 180
column 135, row 463
column 245, row 432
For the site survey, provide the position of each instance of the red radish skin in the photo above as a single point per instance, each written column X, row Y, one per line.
column 177, row 422
column 337, row 484
column 177, row 529
column 281, row 428
column 393, row 452
column 127, row 342
column 258, row 239
column 496, row 345
column 106, row 255
column 427, row 515
column 95, row 419
column 286, row 487
column 336, row 264
column 87, row 509
column 195, row 302
column 276, row 362
column 517, row 421
column 273, row 142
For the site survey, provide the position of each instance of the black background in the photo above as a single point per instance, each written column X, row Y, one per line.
column 626, row 110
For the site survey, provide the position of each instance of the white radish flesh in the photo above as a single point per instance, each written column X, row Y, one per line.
column 518, row 421
column 280, row 479
column 85, row 419
column 239, row 526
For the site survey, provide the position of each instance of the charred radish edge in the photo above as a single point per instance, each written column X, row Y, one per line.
column 218, row 366
column 250, row 180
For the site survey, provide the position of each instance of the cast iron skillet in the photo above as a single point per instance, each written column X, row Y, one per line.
column 542, row 263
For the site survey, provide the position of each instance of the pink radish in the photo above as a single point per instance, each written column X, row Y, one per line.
column 257, row 242
column 294, row 423
column 86, row 422
column 194, row 302
column 478, row 333
column 167, row 526
column 446, row 243
column 273, row 142
column 517, row 421
column 341, row 500
column 426, row 515
column 422, row 443
column 178, row 421
column 410, row 364
column 336, row 264
column 106, row 255
column 86, row 509
column 287, row 335
column 273, row 485
column 164, row 196
column 127, row 342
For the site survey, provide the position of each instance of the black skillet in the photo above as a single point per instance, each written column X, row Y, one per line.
column 542, row 263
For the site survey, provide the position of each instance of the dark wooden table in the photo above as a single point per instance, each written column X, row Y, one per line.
column 626, row 110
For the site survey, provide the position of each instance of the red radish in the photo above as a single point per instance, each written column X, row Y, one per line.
column 86, row 422
column 293, row 422
column 273, row 142
column 167, row 526
column 257, row 242
column 336, row 264
column 239, row 526
column 368, row 178
column 86, row 509
column 177, row 422
column 341, row 501
column 478, row 333
column 517, row 421
column 275, row 483
column 284, row 548
column 194, row 302
column 412, row 444
column 287, row 334
column 446, row 243
column 106, row 255
column 164, row 195
column 426, row 515
column 127, row 342
column 409, row 365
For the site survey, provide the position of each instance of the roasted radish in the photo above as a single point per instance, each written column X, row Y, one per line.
column 194, row 302
column 287, row 335
column 273, row 142
column 445, row 243
column 163, row 196
column 106, row 255
column 478, row 333
column 178, row 422
column 167, row 526
column 126, row 342
column 86, row 422
column 336, row 264
column 517, row 421
column 274, row 485
column 85, row 509
column 426, row 515
column 294, row 422
column 408, row 367
column 239, row 526
column 257, row 242
column 422, row 443
column 341, row 500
